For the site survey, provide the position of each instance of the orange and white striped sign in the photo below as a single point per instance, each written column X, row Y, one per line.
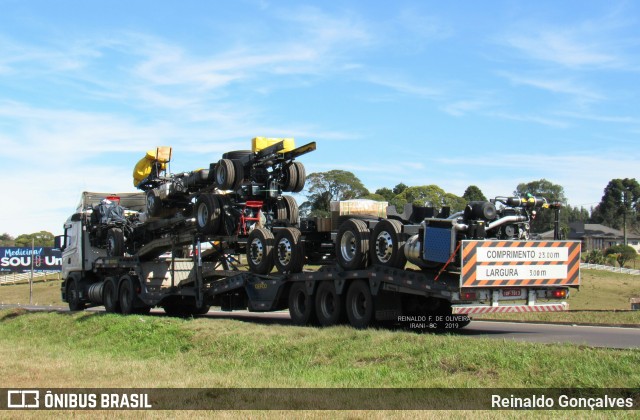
column 520, row 263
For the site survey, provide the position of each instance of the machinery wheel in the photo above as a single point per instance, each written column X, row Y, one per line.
column 329, row 304
column 201, row 311
column 291, row 206
column 301, row 176
column 289, row 178
column 115, row 242
column 73, row 294
column 352, row 245
column 259, row 250
column 288, row 253
column 237, row 154
column 302, row 308
column 143, row 310
column 127, row 296
column 387, row 247
column 239, row 175
column 110, row 296
column 153, row 203
column 208, row 210
column 359, row 304
column 225, row 176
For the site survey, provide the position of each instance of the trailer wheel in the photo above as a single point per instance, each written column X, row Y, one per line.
column 225, row 175
column 289, row 178
column 236, row 154
column 208, row 210
column 115, row 242
column 288, row 253
column 329, row 304
column 127, row 296
column 259, row 251
column 239, row 175
column 302, row 308
column 291, row 206
column 359, row 304
column 110, row 296
column 301, row 176
column 73, row 294
column 387, row 247
column 352, row 245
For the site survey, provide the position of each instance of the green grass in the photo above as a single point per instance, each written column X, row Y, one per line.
column 116, row 351
column 44, row 293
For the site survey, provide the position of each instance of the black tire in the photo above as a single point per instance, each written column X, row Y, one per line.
column 289, row 178
column 115, row 242
column 291, row 206
column 301, row 176
column 329, row 304
column 387, row 245
column 110, row 298
column 127, row 295
column 352, row 245
column 302, row 307
column 281, row 210
column 73, row 294
column 201, row 311
column 175, row 309
column 260, row 250
column 239, row 175
column 225, row 175
column 143, row 310
column 153, row 203
column 208, row 214
column 237, row 154
column 359, row 304
column 288, row 254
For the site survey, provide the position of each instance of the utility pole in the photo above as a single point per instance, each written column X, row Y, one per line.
column 31, row 277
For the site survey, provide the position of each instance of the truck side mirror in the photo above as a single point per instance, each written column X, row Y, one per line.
column 58, row 243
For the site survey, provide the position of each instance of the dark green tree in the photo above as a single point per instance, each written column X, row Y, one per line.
column 7, row 240
column 334, row 185
column 398, row 189
column 385, row 192
column 554, row 193
column 473, row 193
column 429, row 195
column 619, row 206
column 622, row 253
column 42, row 238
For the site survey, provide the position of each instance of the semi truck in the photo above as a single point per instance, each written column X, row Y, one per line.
column 228, row 237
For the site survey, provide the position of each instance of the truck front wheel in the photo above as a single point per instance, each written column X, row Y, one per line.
column 73, row 295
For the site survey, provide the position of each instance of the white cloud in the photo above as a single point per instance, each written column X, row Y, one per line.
column 556, row 85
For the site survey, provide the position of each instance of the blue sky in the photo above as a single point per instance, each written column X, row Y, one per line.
column 420, row 92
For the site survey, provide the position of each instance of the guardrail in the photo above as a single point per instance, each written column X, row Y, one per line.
column 14, row 278
column 609, row 268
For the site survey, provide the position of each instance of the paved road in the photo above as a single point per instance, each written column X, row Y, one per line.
column 613, row 337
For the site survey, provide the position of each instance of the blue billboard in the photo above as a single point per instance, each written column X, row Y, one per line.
column 18, row 260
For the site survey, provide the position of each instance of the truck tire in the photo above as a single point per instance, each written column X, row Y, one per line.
column 291, row 206
column 387, row 247
column 329, row 304
column 301, row 176
column 260, row 250
column 359, row 304
column 127, row 295
column 110, row 296
column 289, row 178
column 115, row 242
column 239, row 175
column 73, row 294
column 352, row 245
column 208, row 210
column 153, row 203
column 225, row 175
column 302, row 308
column 288, row 253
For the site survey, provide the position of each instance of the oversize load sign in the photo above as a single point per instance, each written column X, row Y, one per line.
column 520, row 263
column 18, row 260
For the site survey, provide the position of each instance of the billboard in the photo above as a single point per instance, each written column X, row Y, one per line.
column 18, row 260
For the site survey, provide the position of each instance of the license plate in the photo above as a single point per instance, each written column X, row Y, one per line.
column 511, row 292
